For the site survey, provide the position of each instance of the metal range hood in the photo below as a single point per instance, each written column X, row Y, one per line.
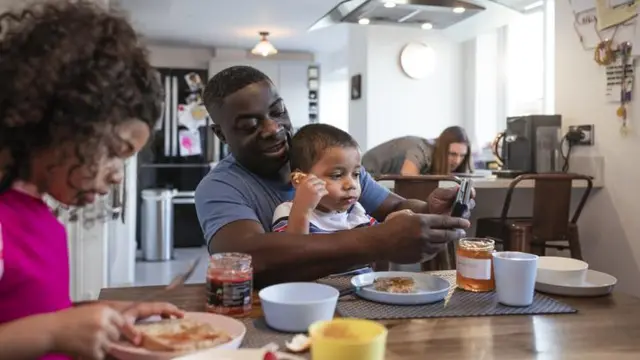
column 439, row 13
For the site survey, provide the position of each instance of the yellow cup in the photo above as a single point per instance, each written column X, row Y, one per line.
column 348, row 339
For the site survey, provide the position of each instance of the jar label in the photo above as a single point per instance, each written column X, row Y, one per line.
column 225, row 294
column 478, row 269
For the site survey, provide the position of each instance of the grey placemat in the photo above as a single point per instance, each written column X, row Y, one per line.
column 458, row 303
column 259, row 335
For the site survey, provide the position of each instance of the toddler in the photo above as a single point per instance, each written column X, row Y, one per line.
column 326, row 168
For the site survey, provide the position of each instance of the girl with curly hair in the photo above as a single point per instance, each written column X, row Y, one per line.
column 77, row 97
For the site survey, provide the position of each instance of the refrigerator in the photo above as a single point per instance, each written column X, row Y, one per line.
column 168, row 163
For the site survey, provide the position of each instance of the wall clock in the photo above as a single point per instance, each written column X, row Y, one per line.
column 417, row 60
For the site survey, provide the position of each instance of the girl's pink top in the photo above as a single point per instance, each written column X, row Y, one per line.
column 34, row 259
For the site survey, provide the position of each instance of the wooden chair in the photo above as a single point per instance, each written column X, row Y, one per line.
column 550, row 222
column 420, row 187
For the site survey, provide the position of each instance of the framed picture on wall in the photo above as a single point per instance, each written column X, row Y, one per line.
column 313, row 72
column 356, row 84
column 314, row 84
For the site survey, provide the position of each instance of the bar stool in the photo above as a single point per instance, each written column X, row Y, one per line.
column 420, row 187
column 549, row 227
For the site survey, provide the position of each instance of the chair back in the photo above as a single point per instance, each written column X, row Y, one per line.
column 551, row 204
column 420, row 187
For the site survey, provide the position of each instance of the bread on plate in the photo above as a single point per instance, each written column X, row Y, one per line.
column 180, row 335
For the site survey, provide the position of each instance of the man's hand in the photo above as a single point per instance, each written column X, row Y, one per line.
column 441, row 200
column 416, row 233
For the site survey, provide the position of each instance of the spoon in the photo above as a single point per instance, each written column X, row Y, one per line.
column 175, row 283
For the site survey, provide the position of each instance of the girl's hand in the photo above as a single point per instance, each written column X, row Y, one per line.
column 144, row 310
column 86, row 331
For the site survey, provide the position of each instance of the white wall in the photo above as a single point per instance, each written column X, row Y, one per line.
column 609, row 226
column 334, row 88
column 393, row 104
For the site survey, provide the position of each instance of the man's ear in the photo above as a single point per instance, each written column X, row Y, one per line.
column 218, row 131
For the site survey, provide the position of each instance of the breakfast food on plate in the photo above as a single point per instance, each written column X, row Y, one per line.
column 297, row 177
column 397, row 285
column 299, row 343
column 180, row 335
column 239, row 354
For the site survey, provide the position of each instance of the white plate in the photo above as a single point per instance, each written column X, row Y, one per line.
column 596, row 284
column 233, row 327
column 238, row 354
column 429, row 288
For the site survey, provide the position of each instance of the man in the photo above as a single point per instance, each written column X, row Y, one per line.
column 236, row 200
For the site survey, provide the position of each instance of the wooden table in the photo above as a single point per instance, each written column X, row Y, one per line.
column 604, row 328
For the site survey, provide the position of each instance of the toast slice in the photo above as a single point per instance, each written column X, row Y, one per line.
column 180, row 335
column 396, row 285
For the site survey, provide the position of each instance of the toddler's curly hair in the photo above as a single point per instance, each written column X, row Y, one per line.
column 70, row 71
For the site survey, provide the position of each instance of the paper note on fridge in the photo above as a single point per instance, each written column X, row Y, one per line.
column 190, row 144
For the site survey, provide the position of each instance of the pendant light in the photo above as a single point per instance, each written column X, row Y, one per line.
column 264, row 47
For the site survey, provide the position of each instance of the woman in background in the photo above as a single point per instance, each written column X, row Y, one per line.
column 412, row 155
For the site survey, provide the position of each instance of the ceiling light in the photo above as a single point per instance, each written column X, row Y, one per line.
column 264, row 47
column 534, row 5
column 389, row 4
column 427, row 26
column 458, row 10
column 364, row 21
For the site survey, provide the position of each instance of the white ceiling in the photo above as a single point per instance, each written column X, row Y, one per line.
column 236, row 23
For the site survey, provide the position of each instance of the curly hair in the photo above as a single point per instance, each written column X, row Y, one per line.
column 70, row 72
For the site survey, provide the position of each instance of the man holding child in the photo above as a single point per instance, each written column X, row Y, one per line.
column 236, row 201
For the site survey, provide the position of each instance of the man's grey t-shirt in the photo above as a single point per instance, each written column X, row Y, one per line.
column 230, row 192
column 388, row 157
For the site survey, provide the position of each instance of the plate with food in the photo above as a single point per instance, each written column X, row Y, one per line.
column 240, row 354
column 171, row 338
column 400, row 288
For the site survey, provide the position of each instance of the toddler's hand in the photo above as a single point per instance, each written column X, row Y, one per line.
column 309, row 191
column 86, row 331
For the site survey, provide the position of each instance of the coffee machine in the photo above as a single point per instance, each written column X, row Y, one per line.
column 529, row 145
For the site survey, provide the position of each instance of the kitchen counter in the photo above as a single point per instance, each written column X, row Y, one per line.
column 495, row 183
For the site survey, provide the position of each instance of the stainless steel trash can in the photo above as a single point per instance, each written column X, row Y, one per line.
column 157, row 224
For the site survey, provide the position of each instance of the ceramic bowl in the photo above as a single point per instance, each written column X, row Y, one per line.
column 293, row 307
column 561, row 270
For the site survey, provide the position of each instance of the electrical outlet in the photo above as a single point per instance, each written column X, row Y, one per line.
column 586, row 134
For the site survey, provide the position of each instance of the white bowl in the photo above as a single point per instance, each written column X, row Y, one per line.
column 293, row 307
column 596, row 284
column 233, row 327
column 561, row 270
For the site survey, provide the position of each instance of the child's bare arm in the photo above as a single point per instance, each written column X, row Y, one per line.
column 27, row 338
column 298, row 221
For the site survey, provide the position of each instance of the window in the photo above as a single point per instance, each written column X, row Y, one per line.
column 486, row 94
column 525, row 59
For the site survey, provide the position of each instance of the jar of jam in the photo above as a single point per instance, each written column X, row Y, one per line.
column 474, row 264
column 230, row 284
